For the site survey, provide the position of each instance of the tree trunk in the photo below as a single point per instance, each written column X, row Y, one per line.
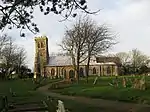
column 87, row 68
column 77, row 71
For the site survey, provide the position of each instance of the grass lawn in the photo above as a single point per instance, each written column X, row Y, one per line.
column 24, row 89
column 74, row 106
column 103, row 90
column 25, row 93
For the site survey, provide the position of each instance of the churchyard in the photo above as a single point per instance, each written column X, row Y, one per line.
column 24, row 95
column 135, row 89
column 21, row 95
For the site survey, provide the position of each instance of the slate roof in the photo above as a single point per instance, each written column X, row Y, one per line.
column 59, row 61
column 67, row 61
column 104, row 59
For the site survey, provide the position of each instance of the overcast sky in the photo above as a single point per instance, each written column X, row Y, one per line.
column 130, row 19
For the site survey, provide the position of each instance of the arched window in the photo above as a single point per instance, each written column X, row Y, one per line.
column 52, row 71
column 108, row 70
column 94, row 70
column 42, row 44
column 71, row 74
column 81, row 72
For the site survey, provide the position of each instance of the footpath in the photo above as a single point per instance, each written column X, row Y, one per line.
column 113, row 106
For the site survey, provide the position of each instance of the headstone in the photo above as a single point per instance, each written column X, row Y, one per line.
column 142, row 83
column 124, row 82
column 52, row 106
column 95, row 81
column 110, row 84
column 116, row 84
column 61, row 107
column 130, row 80
column 116, row 81
column 135, row 83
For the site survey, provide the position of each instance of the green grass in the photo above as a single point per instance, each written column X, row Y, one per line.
column 25, row 92
column 24, row 89
column 103, row 90
column 74, row 106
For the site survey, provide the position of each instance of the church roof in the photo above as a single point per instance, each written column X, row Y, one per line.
column 59, row 61
column 66, row 61
column 104, row 59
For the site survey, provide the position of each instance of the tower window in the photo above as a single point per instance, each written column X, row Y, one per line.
column 38, row 45
column 42, row 45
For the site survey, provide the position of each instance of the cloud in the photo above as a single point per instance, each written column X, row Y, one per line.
column 130, row 19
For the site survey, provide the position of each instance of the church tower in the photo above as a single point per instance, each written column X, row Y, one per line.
column 41, row 55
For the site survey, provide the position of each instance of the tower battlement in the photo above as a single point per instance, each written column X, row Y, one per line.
column 41, row 38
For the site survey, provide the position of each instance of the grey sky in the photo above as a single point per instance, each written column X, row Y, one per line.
column 130, row 19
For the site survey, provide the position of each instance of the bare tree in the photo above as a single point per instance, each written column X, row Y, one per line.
column 4, row 39
column 98, row 41
column 124, row 57
column 86, row 39
column 20, row 60
column 133, row 61
column 13, row 58
column 138, row 59
column 10, row 56
column 74, row 44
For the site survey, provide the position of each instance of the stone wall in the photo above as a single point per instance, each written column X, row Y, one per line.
column 68, row 71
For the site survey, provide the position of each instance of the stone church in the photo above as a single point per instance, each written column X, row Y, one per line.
column 61, row 66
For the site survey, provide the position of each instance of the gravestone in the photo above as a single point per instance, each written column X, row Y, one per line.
column 61, row 107
column 110, row 84
column 116, row 84
column 95, row 81
column 51, row 104
column 116, row 81
column 135, row 83
column 139, row 84
column 124, row 82
column 142, row 83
